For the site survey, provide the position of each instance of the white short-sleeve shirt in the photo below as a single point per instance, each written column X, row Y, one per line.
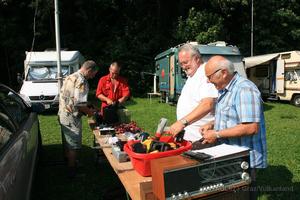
column 195, row 89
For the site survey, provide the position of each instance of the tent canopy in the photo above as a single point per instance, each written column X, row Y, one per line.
column 257, row 60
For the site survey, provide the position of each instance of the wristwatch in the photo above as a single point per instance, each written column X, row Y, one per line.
column 217, row 134
column 184, row 122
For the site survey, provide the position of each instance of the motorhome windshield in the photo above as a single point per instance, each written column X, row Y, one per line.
column 46, row 72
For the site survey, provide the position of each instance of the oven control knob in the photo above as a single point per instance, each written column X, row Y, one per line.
column 245, row 176
column 244, row 165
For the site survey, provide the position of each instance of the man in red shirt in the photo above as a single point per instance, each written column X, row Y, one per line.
column 112, row 89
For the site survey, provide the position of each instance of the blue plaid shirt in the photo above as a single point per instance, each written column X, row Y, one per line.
column 240, row 102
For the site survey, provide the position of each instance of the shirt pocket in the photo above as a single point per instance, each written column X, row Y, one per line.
column 106, row 89
column 226, row 112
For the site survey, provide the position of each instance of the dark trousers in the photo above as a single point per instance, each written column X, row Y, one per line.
column 253, row 185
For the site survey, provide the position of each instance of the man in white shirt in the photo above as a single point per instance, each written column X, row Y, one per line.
column 196, row 102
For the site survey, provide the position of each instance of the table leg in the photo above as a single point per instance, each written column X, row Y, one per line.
column 127, row 196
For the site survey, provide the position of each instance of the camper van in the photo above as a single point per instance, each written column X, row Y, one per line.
column 40, row 84
column 276, row 75
column 171, row 78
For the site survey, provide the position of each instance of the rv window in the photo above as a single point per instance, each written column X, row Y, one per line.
column 298, row 72
column 285, row 56
column 261, row 72
column 290, row 76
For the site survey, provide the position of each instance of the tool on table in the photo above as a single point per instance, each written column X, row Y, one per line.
column 179, row 136
column 200, row 156
column 160, row 128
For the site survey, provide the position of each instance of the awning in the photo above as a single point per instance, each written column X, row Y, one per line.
column 257, row 60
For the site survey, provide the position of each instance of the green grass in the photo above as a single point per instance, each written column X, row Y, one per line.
column 281, row 180
column 283, row 140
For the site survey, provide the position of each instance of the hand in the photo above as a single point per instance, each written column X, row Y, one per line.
column 109, row 101
column 91, row 112
column 209, row 136
column 176, row 128
column 206, row 127
column 115, row 103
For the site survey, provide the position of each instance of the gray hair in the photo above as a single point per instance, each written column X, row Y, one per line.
column 90, row 64
column 190, row 48
column 226, row 64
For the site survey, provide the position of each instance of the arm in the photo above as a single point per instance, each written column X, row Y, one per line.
column 248, row 107
column 99, row 92
column 123, row 99
column 205, row 106
column 106, row 99
column 86, row 110
column 243, row 129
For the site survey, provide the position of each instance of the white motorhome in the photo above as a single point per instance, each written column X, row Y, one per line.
column 277, row 75
column 40, row 84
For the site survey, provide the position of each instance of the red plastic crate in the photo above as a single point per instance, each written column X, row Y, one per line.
column 141, row 161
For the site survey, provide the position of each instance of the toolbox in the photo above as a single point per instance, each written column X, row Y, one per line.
column 141, row 161
column 120, row 155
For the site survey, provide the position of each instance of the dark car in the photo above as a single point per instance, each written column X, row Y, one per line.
column 19, row 143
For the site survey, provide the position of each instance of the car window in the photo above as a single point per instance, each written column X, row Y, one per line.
column 13, row 105
column 5, row 135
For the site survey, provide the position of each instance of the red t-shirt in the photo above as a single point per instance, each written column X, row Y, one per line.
column 106, row 88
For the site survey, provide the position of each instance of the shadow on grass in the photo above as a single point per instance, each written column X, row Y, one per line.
column 130, row 102
column 267, row 107
column 97, row 180
column 275, row 182
column 49, row 112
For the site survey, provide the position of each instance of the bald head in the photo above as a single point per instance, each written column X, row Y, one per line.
column 219, row 71
column 114, row 70
column 219, row 62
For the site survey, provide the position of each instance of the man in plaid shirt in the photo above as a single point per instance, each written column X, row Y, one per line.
column 239, row 118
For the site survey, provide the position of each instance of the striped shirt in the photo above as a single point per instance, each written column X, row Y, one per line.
column 240, row 102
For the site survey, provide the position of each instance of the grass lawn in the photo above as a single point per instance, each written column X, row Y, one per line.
column 281, row 180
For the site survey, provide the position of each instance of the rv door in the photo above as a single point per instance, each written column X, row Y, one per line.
column 172, row 76
column 280, row 76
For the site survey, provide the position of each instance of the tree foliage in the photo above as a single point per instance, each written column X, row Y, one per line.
column 135, row 31
column 202, row 26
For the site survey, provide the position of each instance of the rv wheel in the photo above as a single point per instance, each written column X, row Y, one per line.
column 296, row 100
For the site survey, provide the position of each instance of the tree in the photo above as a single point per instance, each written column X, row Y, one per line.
column 276, row 26
column 204, row 27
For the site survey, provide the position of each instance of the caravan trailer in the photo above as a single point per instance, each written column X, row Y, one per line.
column 276, row 75
column 171, row 78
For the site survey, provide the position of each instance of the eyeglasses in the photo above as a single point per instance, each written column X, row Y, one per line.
column 186, row 62
column 211, row 75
